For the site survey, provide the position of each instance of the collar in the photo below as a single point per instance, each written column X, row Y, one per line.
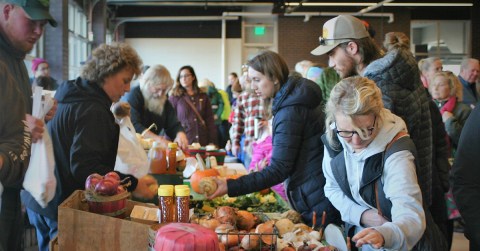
column 6, row 46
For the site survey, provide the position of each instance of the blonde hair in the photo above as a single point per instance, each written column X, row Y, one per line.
column 353, row 96
column 156, row 75
column 453, row 82
column 107, row 60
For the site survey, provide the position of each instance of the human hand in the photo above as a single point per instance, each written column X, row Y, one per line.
column 370, row 218
column 53, row 110
column 446, row 115
column 182, row 140
column 222, row 187
column 36, row 127
column 369, row 236
column 146, row 187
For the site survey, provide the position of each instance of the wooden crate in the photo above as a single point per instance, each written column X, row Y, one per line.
column 79, row 229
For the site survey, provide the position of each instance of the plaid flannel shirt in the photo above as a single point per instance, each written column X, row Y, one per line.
column 248, row 107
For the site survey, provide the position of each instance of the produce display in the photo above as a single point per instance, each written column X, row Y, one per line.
column 253, row 202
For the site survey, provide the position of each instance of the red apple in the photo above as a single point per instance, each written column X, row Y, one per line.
column 106, row 187
column 113, row 175
column 92, row 180
column 120, row 189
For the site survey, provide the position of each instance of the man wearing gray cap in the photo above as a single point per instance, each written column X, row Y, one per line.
column 21, row 25
column 352, row 52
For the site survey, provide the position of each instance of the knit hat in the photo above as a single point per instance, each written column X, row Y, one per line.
column 339, row 30
column 36, row 62
column 36, row 9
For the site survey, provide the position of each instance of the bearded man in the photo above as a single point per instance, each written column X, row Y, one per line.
column 149, row 105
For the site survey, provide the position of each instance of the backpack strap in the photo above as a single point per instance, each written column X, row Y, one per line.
column 400, row 142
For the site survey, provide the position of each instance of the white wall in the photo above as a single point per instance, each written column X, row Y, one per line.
column 204, row 55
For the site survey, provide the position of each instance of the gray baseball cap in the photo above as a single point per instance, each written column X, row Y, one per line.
column 339, row 30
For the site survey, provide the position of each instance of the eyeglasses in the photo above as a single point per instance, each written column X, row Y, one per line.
column 185, row 76
column 331, row 41
column 349, row 134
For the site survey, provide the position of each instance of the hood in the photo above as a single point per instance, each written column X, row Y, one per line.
column 80, row 90
column 392, row 124
column 397, row 67
column 297, row 92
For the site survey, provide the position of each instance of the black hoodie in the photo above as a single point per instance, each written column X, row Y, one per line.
column 85, row 140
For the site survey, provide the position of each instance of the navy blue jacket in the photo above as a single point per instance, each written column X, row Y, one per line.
column 298, row 125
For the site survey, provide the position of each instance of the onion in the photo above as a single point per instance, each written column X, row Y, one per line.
column 250, row 242
column 284, row 226
column 224, row 228
column 230, row 239
column 245, row 220
column 225, row 215
column 209, row 223
column 266, row 232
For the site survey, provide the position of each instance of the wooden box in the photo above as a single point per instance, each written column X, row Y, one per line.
column 79, row 229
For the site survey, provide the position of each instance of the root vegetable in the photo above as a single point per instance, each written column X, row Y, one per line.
column 230, row 239
column 207, row 186
column 245, row 220
column 284, row 226
column 209, row 223
column 250, row 242
column 293, row 215
column 226, row 215
column 266, row 232
column 224, row 228
column 197, row 177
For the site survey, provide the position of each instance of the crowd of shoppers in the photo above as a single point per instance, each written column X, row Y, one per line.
column 381, row 120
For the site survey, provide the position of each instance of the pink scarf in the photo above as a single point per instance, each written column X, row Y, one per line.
column 449, row 105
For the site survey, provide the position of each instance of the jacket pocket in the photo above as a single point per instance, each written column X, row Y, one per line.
column 298, row 199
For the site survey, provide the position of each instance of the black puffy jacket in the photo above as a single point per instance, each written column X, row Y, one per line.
column 298, row 125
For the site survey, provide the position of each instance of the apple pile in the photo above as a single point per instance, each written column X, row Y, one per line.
column 107, row 185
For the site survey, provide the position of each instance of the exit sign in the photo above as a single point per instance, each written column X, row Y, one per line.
column 259, row 30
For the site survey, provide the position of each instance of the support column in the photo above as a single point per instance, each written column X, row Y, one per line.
column 475, row 29
column 56, row 41
column 99, row 23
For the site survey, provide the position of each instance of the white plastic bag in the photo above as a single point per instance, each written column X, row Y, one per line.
column 131, row 157
column 40, row 179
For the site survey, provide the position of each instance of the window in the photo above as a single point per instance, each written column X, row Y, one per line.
column 446, row 39
column 78, row 45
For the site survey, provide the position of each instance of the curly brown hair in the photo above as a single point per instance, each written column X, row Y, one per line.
column 107, row 60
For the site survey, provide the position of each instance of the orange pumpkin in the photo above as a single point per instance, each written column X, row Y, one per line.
column 198, row 175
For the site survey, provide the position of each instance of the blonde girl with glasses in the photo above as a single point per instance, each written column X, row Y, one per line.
column 375, row 190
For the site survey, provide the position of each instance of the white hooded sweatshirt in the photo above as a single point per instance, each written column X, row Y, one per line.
column 400, row 187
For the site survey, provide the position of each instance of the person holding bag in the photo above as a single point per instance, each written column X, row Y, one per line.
column 373, row 181
column 194, row 110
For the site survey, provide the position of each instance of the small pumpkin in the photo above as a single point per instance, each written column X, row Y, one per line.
column 197, row 177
